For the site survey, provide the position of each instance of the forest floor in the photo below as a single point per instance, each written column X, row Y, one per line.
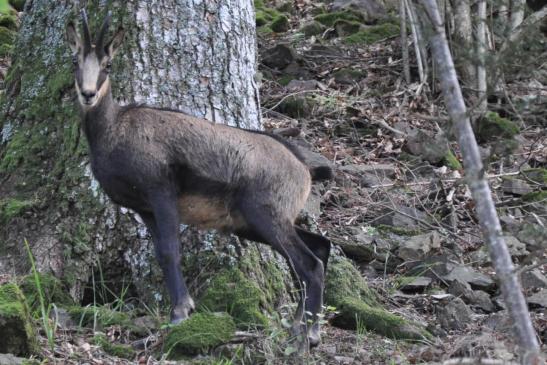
column 398, row 205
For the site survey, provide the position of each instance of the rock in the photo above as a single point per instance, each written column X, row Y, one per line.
column 493, row 127
column 348, row 76
column 16, row 324
column 516, row 248
column 538, row 299
column 302, row 85
column 371, row 10
column 360, row 247
column 534, row 236
column 516, row 186
column 417, row 283
column 481, row 257
column 62, row 318
column 346, row 27
column 415, row 248
column 312, row 208
column 455, row 315
column 296, row 106
column 313, row 28
column 466, row 274
column 9, row 359
column 280, row 24
column 279, row 56
column 402, row 217
column 533, row 279
column 370, row 180
column 475, row 298
column 498, row 322
column 344, row 360
column 432, row 149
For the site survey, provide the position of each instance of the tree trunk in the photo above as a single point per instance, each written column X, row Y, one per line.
column 199, row 57
column 462, row 44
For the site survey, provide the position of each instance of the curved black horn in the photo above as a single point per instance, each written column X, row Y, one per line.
column 102, row 34
column 87, row 36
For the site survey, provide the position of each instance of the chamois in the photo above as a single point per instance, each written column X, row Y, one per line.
column 170, row 167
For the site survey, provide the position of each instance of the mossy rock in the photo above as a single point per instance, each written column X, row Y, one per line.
column 8, row 21
column 386, row 229
column 493, row 127
column 348, row 75
column 537, row 175
column 286, row 7
column 12, row 207
column 312, row 28
column 52, row 290
column 18, row 5
column 355, row 314
column 344, row 280
column 374, row 33
column 7, row 36
column 346, row 27
column 285, row 79
column 199, row 333
column 329, row 19
column 280, row 24
column 296, row 106
column 16, row 327
column 122, row 351
column 232, row 292
column 104, row 317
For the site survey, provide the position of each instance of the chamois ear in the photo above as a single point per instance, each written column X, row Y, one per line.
column 74, row 40
column 112, row 47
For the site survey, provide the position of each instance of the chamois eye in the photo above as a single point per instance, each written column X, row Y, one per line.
column 75, row 60
column 108, row 66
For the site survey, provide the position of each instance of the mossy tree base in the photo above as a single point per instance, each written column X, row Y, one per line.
column 18, row 335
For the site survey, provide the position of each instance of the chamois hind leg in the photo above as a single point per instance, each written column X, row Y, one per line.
column 163, row 224
column 280, row 234
column 320, row 246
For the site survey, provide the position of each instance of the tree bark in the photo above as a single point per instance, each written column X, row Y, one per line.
column 486, row 210
column 199, row 57
column 462, row 44
column 481, row 47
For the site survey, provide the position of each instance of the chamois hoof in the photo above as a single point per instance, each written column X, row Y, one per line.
column 312, row 339
column 181, row 312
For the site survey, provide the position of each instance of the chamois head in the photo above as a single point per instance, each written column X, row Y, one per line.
column 92, row 61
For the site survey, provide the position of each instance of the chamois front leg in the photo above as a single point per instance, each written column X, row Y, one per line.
column 164, row 226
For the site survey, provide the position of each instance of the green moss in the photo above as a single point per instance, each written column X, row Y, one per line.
column 261, row 18
column 537, row 175
column 11, row 207
column 329, row 19
column 452, row 161
column 230, row 291
column 19, row 5
column 52, row 289
column 6, row 50
column 103, row 316
column 372, row 34
column 400, row 231
column 296, row 106
column 16, row 327
column 199, row 333
column 8, row 21
column 346, row 27
column 286, row 7
column 344, row 280
column 280, row 24
column 492, row 127
column 7, row 36
column 265, row 30
column 285, row 79
column 535, row 196
column 123, row 351
column 356, row 314
column 312, row 28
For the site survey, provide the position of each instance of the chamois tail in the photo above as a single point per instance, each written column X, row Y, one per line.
column 320, row 173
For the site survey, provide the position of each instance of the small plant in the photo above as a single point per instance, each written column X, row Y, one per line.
column 49, row 329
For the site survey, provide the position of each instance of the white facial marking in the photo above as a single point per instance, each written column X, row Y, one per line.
column 90, row 75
